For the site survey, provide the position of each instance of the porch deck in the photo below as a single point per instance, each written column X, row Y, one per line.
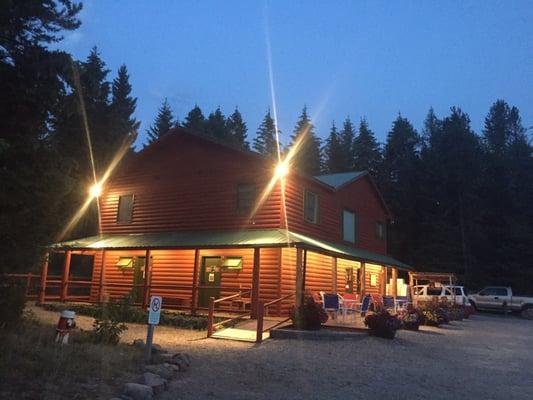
column 246, row 330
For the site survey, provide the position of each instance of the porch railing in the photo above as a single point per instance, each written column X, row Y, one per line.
column 262, row 311
column 211, row 326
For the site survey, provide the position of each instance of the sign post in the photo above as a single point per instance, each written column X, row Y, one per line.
column 153, row 320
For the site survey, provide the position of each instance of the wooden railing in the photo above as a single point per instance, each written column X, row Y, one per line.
column 211, row 326
column 262, row 310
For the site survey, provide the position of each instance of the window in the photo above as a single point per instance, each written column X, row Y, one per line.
column 380, row 230
column 245, row 197
column 232, row 264
column 373, row 280
column 349, row 226
column 434, row 291
column 125, row 209
column 125, row 262
column 311, row 207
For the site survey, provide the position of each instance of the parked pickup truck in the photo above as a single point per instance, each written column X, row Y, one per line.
column 502, row 299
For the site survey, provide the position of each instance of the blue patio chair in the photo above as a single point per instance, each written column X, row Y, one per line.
column 401, row 302
column 365, row 305
column 331, row 303
column 389, row 303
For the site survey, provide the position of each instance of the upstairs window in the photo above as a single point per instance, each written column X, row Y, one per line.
column 245, row 198
column 380, row 230
column 125, row 209
column 311, row 207
column 349, row 226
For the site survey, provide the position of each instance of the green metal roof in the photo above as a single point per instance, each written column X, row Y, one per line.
column 340, row 179
column 218, row 239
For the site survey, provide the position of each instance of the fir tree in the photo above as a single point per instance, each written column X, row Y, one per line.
column 195, row 120
column 308, row 157
column 237, row 130
column 123, row 105
column 215, row 126
column 366, row 150
column 265, row 140
column 347, row 136
column 162, row 124
column 333, row 152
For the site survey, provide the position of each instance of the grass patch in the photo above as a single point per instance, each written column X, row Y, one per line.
column 136, row 315
column 33, row 366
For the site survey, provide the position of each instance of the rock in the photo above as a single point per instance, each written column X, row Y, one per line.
column 156, row 349
column 138, row 392
column 165, row 370
column 138, row 343
column 157, row 383
column 182, row 360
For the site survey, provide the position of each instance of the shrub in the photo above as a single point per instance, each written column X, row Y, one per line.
column 411, row 318
column 309, row 315
column 12, row 302
column 382, row 324
column 107, row 331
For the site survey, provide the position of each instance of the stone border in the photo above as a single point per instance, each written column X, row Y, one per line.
column 287, row 332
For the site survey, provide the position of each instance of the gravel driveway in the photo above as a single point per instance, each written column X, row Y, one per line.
column 486, row 357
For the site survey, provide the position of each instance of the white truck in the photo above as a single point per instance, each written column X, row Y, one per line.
column 454, row 294
column 499, row 298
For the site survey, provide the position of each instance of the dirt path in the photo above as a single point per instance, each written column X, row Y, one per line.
column 487, row 357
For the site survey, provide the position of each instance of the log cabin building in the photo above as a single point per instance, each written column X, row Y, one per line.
column 189, row 218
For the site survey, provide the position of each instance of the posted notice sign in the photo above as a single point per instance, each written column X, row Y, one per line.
column 155, row 310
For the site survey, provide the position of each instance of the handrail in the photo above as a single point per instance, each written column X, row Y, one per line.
column 278, row 300
column 233, row 296
column 262, row 309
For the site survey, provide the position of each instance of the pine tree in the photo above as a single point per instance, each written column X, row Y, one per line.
column 215, row 126
column 162, row 124
column 195, row 120
column 333, row 152
column 347, row 136
column 237, row 130
column 308, row 158
column 265, row 140
column 366, row 150
column 123, row 105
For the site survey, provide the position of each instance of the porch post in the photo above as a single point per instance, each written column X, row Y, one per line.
column 102, row 278
column 255, row 282
column 334, row 273
column 363, row 279
column 299, row 277
column 147, row 277
column 394, row 281
column 65, row 276
column 44, row 274
column 383, row 283
column 194, row 293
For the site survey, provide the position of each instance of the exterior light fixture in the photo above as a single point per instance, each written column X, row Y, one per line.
column 95, row 190
column 282, row 169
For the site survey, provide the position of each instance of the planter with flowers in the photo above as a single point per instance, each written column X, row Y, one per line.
column 382, row 324
column 411, row 318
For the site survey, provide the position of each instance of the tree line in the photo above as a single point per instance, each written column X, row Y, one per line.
column 461, row 200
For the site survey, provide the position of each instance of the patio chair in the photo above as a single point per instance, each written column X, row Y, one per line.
column 389, row 304
column 365, row 305
column 349, row 304
column 331, row 303
column 377, row 301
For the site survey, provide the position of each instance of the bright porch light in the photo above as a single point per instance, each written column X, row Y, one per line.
column 282, row 169
column 95, row 190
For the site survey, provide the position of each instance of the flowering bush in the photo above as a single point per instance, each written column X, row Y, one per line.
column 382, row 324
column 435, row 315
column 309, row 316
column 411, row 318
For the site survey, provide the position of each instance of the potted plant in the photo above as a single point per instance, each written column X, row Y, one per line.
column 382, row 324
column 309, row 315
column 411, row 318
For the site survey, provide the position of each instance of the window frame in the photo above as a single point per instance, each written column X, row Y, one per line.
column 130, row 220
column 355, row 223
column 380, row 234
column 239, row 210
column 316, row 219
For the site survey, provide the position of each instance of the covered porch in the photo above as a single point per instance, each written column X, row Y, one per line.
column 225, row 273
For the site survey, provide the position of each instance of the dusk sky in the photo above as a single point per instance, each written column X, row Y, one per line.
column 340, row 58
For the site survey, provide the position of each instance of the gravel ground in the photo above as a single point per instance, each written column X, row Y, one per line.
column 486, row 357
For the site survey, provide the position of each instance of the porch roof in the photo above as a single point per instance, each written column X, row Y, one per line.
column 224, row 239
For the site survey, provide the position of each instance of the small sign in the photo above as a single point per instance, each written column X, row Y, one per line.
column 211, row 277
column 155, row 310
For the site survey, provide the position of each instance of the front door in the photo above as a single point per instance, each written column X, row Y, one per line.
column 210, row 278
column 138, row 279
